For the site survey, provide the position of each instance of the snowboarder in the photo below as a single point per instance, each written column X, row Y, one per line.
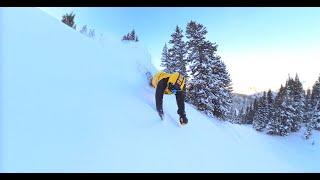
column 166, row 83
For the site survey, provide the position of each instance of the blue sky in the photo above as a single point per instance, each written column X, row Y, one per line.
column 260, row 46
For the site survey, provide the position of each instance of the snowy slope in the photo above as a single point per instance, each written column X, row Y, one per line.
column 71, row 104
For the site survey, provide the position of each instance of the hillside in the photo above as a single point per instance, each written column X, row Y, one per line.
column 72, row 104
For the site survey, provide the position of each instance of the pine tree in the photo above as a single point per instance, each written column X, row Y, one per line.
column 287, row 109
column 274, row 126
column 209, row 87
column 221, row 88
column 314, row 120
column 178, row 52
column 246, row 115
column 254, row 108
column 68, row 19
column 307, row 107
column 270, row 105
column 280, row 96
column 84, row 30
column 298, row 104
column 130, row 36
column 240, row 116
column 271, row 112
column 313, row 109
column 198, row 89
column 315, row 102
column 251, row 111
column 308, row 111
column 201, row 87
column 249, row 116
column 91, row 33
column 165, row 60
column 315, row 95
column 260, row 117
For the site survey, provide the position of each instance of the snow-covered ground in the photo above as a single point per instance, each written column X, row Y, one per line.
column 72, row 104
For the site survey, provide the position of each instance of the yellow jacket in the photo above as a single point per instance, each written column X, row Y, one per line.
column 173, row 78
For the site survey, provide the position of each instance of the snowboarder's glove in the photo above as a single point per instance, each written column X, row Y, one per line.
column 183, row 119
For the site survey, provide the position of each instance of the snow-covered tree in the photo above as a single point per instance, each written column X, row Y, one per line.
column 210, row 85
column 91, row 33
column 280, row 96
column 245, row 115
column 271, row 112
column 248, row 117
column 270, row 105
column 312, row 117
column 165, row 60
column 315, row 95
column 68, row 19
column 84, row 30
column 315, row 102
column 297, row 94
column 177, row 52
column 260, row 118
column 238, row 116
column 130, row 36
column 307, row 106
column 287, row 109
column 275, row 126
column 222, row 88
column 314, row 121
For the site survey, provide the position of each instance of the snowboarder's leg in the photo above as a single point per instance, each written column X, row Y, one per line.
column 180, row 95
column 159, row 96
column 161, row 114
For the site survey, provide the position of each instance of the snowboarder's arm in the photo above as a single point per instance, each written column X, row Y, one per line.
column 180, row 102
column 162, row 84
